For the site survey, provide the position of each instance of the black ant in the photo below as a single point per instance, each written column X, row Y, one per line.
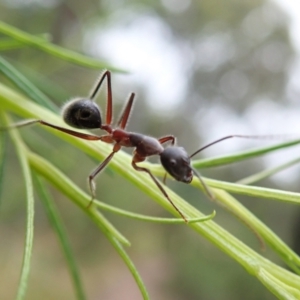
column 83, row 113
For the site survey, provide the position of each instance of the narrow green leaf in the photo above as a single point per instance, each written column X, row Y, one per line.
column 219, row 189
column 145, row 218
column 3, row 142
column 60, row 230
column 72, row 191
column 20, row 148
column 62, row 53
column 25, row 85
column 80, row 198
column 268, row 172
column 120, row 250
column 279, row 289
column 255, row 191
column 279, row 246
column 236, row 157
column 10, row 44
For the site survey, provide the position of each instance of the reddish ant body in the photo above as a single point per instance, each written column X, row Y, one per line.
column 83, row 113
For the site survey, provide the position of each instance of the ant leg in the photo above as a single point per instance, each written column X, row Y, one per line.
column 80, row 135
column 126, row 112
column 167, row 138
column 109, row 109
column 65, row 130
column 164, row 140
column 20, row 124
column 91, row 177
column 159, row 186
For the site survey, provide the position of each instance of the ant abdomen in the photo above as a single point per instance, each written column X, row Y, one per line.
column 82, row 113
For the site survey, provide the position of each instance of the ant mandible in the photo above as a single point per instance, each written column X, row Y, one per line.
column 84, row 113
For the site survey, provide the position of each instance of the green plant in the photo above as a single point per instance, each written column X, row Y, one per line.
column 281, row 282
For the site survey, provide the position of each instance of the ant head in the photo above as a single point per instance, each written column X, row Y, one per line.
column 82, row 113
column 176, row 162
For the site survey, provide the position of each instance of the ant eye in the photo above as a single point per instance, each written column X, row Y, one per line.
column 82, row 113
column 85, row 114
column 173, row 162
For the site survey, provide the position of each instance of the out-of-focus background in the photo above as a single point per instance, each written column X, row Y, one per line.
column 202, row 70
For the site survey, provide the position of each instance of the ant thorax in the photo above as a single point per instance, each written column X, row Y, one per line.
column 145, row 145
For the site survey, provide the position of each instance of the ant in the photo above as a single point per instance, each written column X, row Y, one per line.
column 84, row 113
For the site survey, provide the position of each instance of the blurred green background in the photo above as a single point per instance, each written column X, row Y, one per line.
column 202, row 70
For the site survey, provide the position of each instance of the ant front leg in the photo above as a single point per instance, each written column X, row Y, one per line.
column 136, row 159
column 91, row 177
column 163, row 140
column 109, row 109
column 167, row 138
column 126, row 112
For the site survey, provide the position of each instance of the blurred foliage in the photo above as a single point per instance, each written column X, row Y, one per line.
column 233, row 53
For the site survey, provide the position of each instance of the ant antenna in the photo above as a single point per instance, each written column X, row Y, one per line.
column 233, row 136
column 206, row 188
